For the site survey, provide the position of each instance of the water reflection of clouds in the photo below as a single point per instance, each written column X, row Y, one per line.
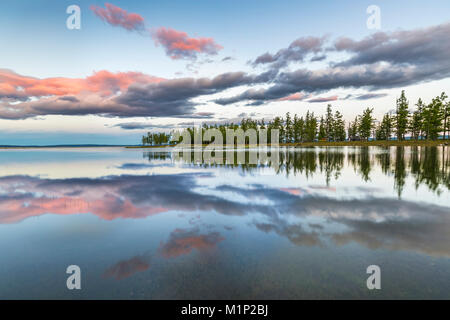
column 126, row 196
column 126, row 268
column 372, row 221
column 180, row 242
column 183, row 241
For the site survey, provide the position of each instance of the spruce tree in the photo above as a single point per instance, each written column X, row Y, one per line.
column 402, row 116
column 366, row 124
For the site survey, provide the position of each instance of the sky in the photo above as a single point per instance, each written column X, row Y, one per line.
column 136, row 66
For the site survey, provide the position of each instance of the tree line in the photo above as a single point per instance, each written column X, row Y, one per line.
column 427, row 121
column 157, row 138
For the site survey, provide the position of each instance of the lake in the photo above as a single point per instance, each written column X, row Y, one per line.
column 156, row 224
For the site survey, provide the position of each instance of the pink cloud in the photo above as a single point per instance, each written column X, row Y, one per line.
column 179, row 45
column 294, row 97
column 324, row 99
column 119, row 17
column 102, row 82
column 121, row 94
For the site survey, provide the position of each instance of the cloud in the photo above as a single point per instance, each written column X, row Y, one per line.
column 199, row 115
column 380, row 61
column 427, row 46
column 228, row 58
column 122, row 94
column 69, row 98
column 148, row 125
column 142, row 125
column 318, row 58
column 102, row 82
column 371, row 77
column 298, row 96
column 179, row 45
column 296, row 52
column 119, row 17
column 323, row 99
column 302, row 97
column 173, row 97
column 366, row 96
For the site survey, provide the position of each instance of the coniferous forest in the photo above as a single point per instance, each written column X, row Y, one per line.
column 421, row 121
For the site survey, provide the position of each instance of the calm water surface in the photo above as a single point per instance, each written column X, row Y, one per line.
column 149, row 225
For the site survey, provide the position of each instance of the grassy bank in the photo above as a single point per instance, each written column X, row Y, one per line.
column 408, row 143
column 392, row 143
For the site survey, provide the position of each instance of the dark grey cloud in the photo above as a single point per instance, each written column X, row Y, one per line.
column 173, row 97
column 377, row 62
column 150, row 126
column 228, row 59
column 69, row 98
column 167, row 98
column 297, row 51
column 367, row 96
column 199, row 115
column 380, row 61
column 255, row 103
column 371, row 77
column 420, row 47
column 142, row 125
column 244, row 114
column 321, row 57
column 323, row 99
column 250, row 94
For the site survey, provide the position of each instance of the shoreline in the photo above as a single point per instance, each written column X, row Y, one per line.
column 392, row 143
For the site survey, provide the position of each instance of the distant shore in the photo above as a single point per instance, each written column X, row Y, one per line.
column 63, row 146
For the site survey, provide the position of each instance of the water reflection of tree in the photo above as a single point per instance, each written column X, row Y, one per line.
column 331, row 163
column 384, row 160
column 400, row 170
column 428, row 165
column 431, row 167
column 157, row 155
column 304, row 162
column 361, row 162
